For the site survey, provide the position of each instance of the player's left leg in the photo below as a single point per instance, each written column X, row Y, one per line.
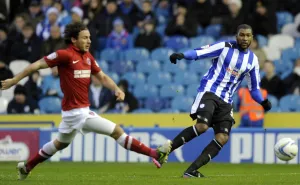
column 46, row 152
column 222, row 131
column 103, row 126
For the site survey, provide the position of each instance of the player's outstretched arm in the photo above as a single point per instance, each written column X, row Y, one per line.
column 40, row 64
column 110, row 84
column 208, row 51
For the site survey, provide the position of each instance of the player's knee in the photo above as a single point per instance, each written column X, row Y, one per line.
column 118, row 131
column 201, row 128
column 222, row 138
column 59, row 145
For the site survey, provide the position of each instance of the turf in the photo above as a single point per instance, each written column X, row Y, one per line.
column 67, row 173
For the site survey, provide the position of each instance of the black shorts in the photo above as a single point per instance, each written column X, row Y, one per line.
column 209, row 109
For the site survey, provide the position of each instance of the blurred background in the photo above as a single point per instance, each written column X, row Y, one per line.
column 132, row 41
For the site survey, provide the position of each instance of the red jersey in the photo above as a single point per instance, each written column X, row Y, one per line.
column 75, row 69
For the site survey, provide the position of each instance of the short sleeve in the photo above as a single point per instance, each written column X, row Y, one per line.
column 57, row 58
column 95, row 67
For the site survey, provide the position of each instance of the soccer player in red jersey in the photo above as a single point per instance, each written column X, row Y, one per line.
column 75, row 66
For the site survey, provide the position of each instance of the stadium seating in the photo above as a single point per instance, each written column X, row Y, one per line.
column 160, row 78
column 272, row 53
column 122, row 67
column 149, row 66
column 273, row 100
column 103, row 65
column 161, row 30
column 176, row 42
column 171, row 90
column 136, row 54
column 169, row 110
column 290, row 29
column 142, row 111
column 282, row 66
column 154, row 103
column 134, row 78
column 290, row 54
column 213, row 30
column 3, row 105
column 186, row 78
column 200, row 41
column 281, row 41
column 161, row 54
column 114, row 76
column 262, row 40
column 290, row 103
column 9, row 93
column 283, row 18
column 191, row 89
column 182, row 103
column 180, row 67
column 145, row 91
column 109, row 54
column 50, row 105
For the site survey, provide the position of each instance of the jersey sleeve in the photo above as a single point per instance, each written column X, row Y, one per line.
column 94, row 66
column 57, row 58
column 210, row 51
column 253, row 77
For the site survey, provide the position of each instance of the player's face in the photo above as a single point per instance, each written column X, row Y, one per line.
column 83, row 42
column 244, row 38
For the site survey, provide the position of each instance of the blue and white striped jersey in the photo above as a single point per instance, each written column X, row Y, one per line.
column 229, row 67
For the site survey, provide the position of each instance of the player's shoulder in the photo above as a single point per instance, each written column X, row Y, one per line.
column 230, row 44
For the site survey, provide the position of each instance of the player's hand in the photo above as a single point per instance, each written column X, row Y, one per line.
column 266, row 104
column 176, row 56
column 6, row 84
column 120, row 95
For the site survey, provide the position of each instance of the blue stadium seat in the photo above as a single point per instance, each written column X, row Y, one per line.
column 290, row 54
column 109, row 54
column 142, row 111
column 262, row 40
column 161, row 54
column 103, row 65
column 169, row 110
column 150, row 66
column 145, row 91
column 213, row 30
column 160, row 78
column 186, row 78
column 101, row 43
column 275, row 109
column 180, row 67
column 297, row 43
column 285, row 74
column 273, row 100
column 283, row 18
column 171, row 90
column 182, row 103
column 197, row 42
column 161, row 30
column 50, row 105
column 136, row 54
column 200, row 30
column 154, row 103
column 226, row 38
column 290, row 103
column 122, row 67
column 192, row 89
column 114, row 76
column 176, row 42
column 282, row 66
column 235, row 99
column 134, row 78
column 200, row 67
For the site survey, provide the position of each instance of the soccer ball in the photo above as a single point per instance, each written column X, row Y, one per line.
column 286, row 149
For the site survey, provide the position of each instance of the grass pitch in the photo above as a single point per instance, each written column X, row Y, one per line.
column 69, row 173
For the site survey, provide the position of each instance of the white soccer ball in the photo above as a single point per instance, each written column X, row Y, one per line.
column 286, row 149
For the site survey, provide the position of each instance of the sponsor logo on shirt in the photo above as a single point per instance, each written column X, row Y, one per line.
column 235, row 72
column 88, row 61
column 82, row 73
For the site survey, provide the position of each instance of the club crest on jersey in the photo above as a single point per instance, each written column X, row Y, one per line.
column 88, row 61
column 235, row 72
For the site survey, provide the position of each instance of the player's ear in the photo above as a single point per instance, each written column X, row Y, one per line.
column 73, row 40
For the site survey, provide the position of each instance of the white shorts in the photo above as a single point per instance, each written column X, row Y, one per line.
column 82, row 120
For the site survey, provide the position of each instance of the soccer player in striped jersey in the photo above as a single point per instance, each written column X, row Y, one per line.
column 232, row 61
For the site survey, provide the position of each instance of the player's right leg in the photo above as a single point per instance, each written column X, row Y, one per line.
column 47, row 151
column 202, row 111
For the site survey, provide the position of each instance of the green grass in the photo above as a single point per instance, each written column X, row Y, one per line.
column 67, row 173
